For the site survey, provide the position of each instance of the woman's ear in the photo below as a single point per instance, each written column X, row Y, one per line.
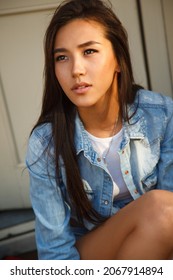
column 118, row 70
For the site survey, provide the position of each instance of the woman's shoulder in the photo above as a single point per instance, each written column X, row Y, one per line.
column 151, row 98
column 42, row 132
column 40, row 138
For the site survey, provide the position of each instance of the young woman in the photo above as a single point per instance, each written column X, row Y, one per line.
column 100, row 157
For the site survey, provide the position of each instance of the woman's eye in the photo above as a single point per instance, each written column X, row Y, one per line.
column 89, row 51
column 61, row 58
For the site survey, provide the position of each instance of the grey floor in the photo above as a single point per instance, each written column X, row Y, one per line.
column 14, row 217
column 17, row 235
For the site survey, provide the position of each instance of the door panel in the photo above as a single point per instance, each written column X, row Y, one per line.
column 168, row 20
column 13, row 184
column 156, row 44
column 127, row 12
column 21, row 69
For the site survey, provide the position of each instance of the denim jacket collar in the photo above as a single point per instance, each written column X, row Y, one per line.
column 81, row 141
column 135, row 129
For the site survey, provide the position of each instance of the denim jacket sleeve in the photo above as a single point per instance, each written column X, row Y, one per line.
column 165, row 164
column 54, row 237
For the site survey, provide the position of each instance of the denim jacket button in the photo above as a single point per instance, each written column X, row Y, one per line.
column 99, row 159
column 106, row 202
column 126, row 172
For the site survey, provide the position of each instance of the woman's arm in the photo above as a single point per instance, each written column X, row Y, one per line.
column 54, row 237
column 165, row 165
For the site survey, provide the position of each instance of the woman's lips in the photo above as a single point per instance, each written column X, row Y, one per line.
column 81, row 88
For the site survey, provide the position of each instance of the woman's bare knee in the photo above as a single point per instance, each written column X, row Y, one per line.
column 157, row 214
column 152, row 236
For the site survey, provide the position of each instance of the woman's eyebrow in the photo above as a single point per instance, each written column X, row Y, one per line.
column 86, row 44
column 89, row 43
column 59, row 50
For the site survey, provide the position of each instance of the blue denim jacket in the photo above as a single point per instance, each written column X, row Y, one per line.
column 146, row 157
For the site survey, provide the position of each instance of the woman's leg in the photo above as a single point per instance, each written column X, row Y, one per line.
column 141, row 230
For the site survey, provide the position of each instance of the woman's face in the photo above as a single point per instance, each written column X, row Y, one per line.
column 85, row 63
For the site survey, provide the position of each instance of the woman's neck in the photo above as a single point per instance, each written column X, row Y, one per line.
column 101, row 122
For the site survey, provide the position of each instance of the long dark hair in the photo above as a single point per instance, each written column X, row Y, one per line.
column 60, row 111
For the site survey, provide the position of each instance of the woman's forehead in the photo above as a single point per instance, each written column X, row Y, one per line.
column 80, row 30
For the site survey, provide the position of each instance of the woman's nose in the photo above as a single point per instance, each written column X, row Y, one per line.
column 78, row 68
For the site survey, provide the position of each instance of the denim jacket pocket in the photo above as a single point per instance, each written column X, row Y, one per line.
column 150, row 180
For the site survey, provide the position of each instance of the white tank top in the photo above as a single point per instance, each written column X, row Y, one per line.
column 110, row 147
